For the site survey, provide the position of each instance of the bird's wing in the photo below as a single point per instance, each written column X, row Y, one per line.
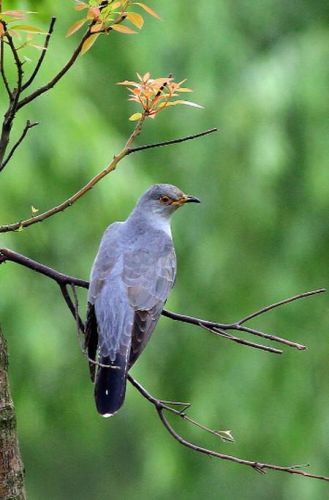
column 107, row 258
column 149, row 275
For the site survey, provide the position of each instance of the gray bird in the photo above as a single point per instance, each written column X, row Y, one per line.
column 130, row 281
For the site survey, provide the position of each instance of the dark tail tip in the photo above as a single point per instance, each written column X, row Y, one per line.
column 110, row 387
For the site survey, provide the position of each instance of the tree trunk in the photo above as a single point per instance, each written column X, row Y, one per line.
column 11, row 465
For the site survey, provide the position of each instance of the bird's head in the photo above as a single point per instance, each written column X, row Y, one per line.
column 164, row 199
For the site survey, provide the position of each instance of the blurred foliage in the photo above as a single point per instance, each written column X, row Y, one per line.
column 261, row 234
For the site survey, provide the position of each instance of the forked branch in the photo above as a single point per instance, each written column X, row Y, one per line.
column 162, row 407
column 220, row 329
column 178, row 408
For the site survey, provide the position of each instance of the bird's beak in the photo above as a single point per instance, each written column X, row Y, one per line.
column 186, row 198
column 191, row 199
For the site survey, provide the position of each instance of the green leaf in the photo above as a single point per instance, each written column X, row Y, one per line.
column 28, row 28
column 135, row 117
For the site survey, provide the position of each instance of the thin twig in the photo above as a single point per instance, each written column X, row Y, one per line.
column 258, row 466
column 42, row 55
column 19, row 66
column 2, row 65
column 19, row 225
column 159, row 403
column 173, row 141
column 239, row 325
column 13, row 99
column 222, row 333
column 27, row 127
column 280, row 303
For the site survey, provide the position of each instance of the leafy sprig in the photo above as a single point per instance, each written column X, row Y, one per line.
column 155, row 95
column 8, row 20
column 107, row 16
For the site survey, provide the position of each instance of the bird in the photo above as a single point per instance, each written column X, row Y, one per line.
column 131, row 278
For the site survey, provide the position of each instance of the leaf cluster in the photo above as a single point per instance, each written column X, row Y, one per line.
column 155, row 95
column 104, row 17
column 8, row 20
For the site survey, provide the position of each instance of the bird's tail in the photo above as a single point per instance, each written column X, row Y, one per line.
column 110, row 386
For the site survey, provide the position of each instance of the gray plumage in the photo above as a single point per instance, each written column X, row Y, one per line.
column 130, row 281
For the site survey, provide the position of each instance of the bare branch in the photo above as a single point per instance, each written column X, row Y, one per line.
column 161, row 406
column 19, row 65
column 60, row 278
column 280, row 303
column 173, row 141
column 2, row 68
column 222, row 333
column 239, row 325
column 27, row 127
column 13, row 97
column 258, row 466
column 42, row 55
column 219, row 329
column 41, row 90
column 19, row 225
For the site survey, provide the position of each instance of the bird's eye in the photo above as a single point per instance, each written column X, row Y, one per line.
column 164, row 199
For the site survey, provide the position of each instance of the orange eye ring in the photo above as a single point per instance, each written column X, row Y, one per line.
column 164, row 199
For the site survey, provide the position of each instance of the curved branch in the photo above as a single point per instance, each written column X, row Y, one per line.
column 19, row 225
column 2, row 68
column 64, row 280
column 42, row 55
column 161, row 408
column 41, row 90
column 27, row 127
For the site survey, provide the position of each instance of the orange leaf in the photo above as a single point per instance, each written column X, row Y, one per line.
column 18, row 14
column 146, row 77
column 148, row 10
column 187, row 103
column 75, row 27
column 2, row 30
column 89, row 43
column 115, row 5
column 93, row 13
column 135, row 19
column 123, row 29
column 97, row 27
column 127, row 82
column 81, row 6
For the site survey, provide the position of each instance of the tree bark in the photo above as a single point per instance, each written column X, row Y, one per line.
column 11, row 465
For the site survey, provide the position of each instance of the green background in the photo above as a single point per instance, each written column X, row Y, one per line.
column 261, row 234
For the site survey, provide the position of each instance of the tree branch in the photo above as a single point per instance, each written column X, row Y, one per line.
column 220, row 329
column 173, row 141
column 13, row 98
column 42, row 55
column 19, row 225
column 64, row 280
column 2, row 68
column 27, row 127
column 161, row 408
column 11, row 465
